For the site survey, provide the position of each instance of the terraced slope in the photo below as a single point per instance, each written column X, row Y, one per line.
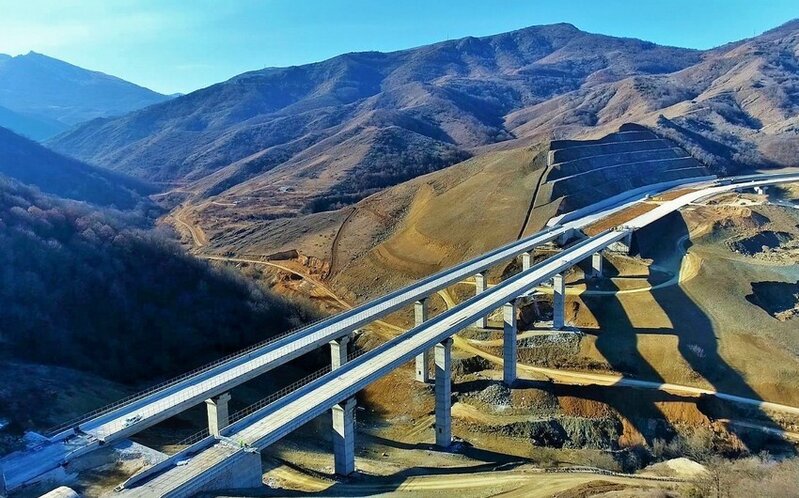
column 582, row 172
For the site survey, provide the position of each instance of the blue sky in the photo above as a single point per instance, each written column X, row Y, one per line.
column 178, row 46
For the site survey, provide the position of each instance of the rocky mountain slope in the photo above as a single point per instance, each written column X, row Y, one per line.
column 310, row 137
column 47, row 95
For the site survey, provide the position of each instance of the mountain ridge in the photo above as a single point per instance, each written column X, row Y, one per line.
column 45, row 88
column 362, row 114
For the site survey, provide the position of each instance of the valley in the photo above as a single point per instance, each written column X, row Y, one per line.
column 545, row 262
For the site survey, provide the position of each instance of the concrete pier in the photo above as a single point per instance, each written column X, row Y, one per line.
column 218, row 413
column 423, row 359
column 444, row 393
column 339, row 351
column 480, row 285
column 527, row 260
column 558, row 301
column 597, row 263
column 509, row 346
column 344, row 437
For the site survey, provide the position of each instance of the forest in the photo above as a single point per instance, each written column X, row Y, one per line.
column 99, row 290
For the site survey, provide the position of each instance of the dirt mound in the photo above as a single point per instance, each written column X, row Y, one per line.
column 684, row 468
column 468, row 365
column 564, row 432
column 495, row 395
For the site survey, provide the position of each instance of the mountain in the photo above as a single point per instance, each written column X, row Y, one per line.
column 28, row 162
column 57, row 93
column 310, row 137
column 737, row 107
column 284, row 141
column 29, row 126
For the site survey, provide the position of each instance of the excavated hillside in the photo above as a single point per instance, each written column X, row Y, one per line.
column 583, row 172
column 435, row 221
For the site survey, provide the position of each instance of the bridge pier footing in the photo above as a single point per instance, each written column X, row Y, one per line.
column 422, row 359
column 444, row 393
column 218, row 413
column 558, row 301
column 480, row 284
column 509, row 346
column 344, row 437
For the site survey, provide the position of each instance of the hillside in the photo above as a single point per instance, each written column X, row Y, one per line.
column 90, row 289
column 30, row 163
column 283, row 141
column 301, row 139
column 56, row 95
column 421, row 226
column 738, row 106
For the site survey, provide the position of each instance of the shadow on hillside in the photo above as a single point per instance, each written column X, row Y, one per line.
column 697, row 343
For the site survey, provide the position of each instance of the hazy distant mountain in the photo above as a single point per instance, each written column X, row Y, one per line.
column 30, row 126
column 51, row 91
column 32, row 164
column 334, row 131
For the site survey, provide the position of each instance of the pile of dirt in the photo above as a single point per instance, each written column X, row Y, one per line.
column 683, row 468
column 470, row 364
column 495, row 395
column 564, row 432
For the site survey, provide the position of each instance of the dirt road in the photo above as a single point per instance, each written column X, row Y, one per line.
column 197, row 235
column 525, row 481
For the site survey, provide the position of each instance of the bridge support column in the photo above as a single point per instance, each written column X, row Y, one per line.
column 339, row 351
column 422, row 359
column 509, row 346
column 558, row 301
column 480, row 286
column 444, row 393
column 218, row 413
column 344, row 437
column 527, row 260
column 597, row 263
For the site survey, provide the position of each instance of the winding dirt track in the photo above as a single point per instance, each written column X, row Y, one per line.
column 527, row 482
column 197, row 234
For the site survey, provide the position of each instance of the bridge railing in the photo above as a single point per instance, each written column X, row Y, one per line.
column 240, row 414
column 53, row 431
